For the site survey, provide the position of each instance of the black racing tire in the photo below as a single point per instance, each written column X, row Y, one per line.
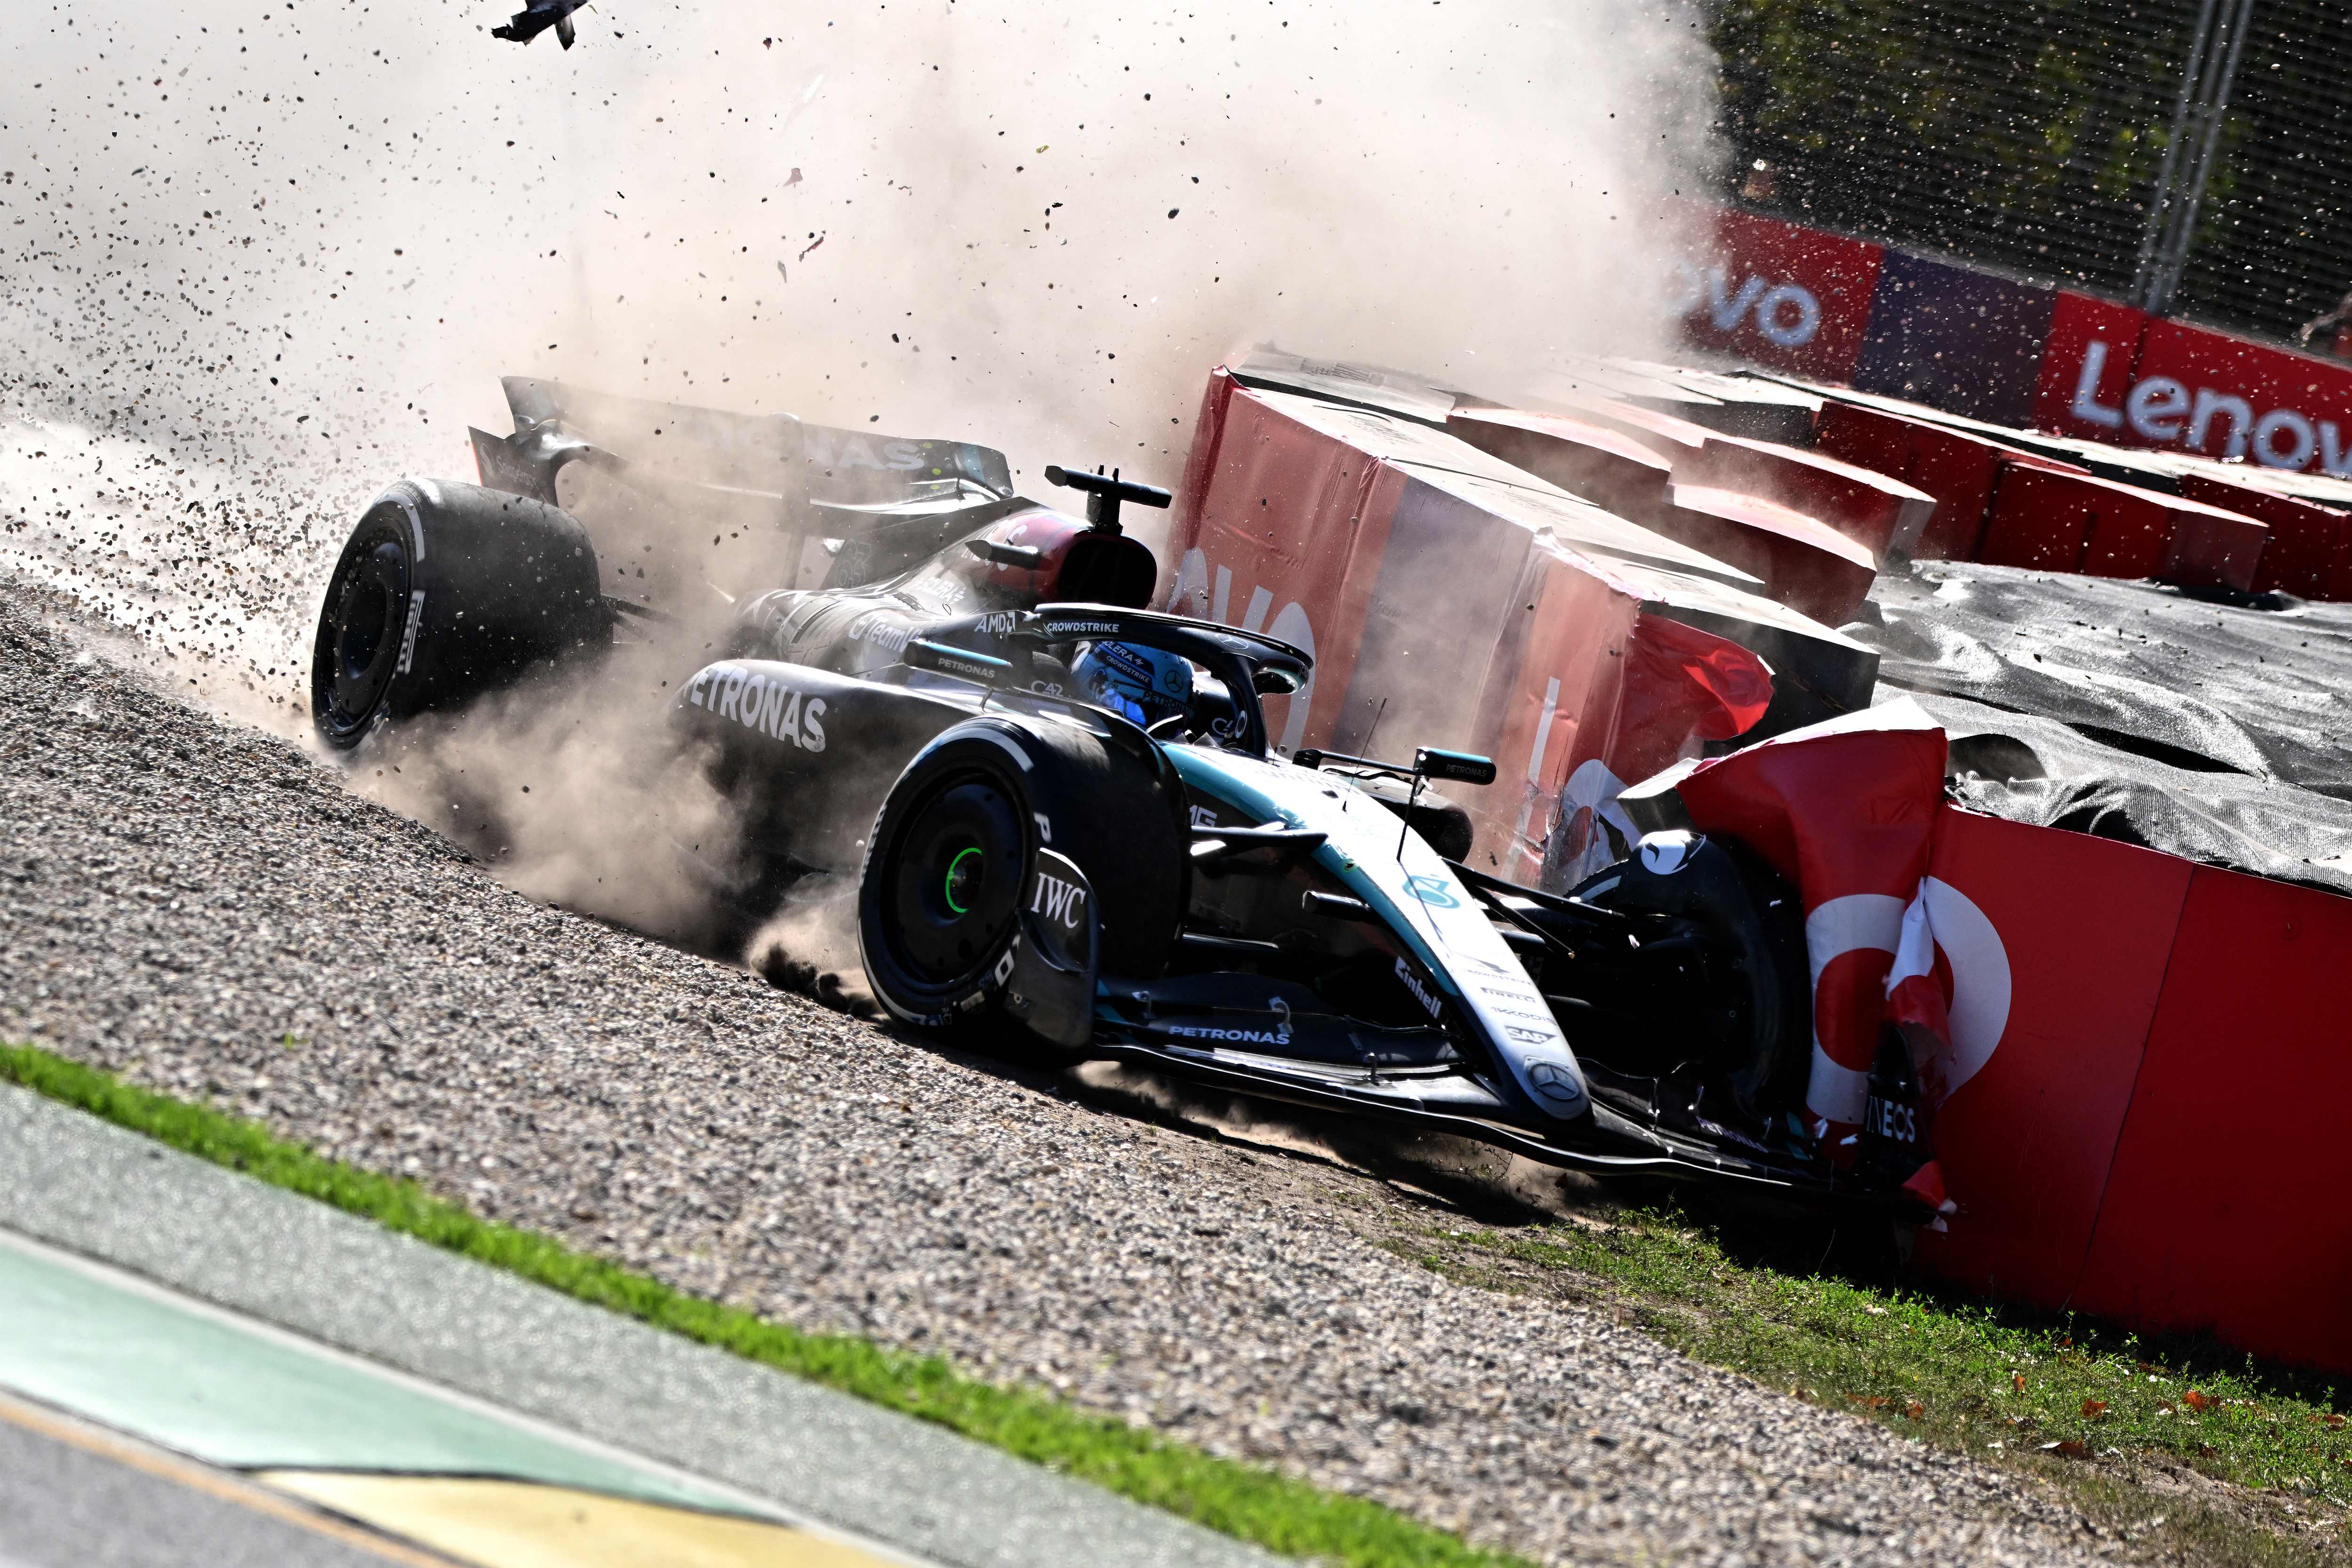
column 1753, row 916
column 442, row 593
column 957, row 839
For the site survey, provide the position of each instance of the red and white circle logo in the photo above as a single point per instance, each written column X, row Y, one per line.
column 1937, row 962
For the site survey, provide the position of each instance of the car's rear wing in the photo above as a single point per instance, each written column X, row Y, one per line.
column 682, row 500
column 785, row 461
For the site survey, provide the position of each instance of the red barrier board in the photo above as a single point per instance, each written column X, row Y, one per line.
column 1876, row 511
column 1606, row 467
column 2136, row 1066
column 2213, row 548
column 2049, row 519
column 1805, row 563
column 1802, row 562
column 2136, row 1069
column 1547, row 725
column 2086, row 368
column 1326, row 554
column 1869, row 439
column 1780, row 294
column 2050, row 1013
column 2223, row 1211
column 2130, row 535
column 1958, row 470
column 2041, row 518
column 1670, row 436
column 1451, row 599
column 2307, row 538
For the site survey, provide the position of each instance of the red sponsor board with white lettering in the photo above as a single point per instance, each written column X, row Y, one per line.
column 2114, row 374
column 1802, row 300
column 1777, row 293
column 1273, row 535
column 2226, row 397
column 1556, row 717
column 2087, row 368
column 2152, row 1120
column 2136, row 1074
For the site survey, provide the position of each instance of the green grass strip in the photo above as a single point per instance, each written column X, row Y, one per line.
column 2077, row 1404
column 1962, row 1374
column 1251, row 1504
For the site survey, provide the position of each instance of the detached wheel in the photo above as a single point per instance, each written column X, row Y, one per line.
column 939, row 905
column 442, row 593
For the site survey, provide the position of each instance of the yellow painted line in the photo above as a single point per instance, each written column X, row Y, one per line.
column 522, row 1524
column 212, row 1483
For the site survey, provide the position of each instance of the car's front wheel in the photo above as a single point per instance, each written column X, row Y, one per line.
column 1011, row 862
column 950, row 855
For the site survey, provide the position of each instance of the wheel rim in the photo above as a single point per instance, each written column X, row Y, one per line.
column 364, row 632
column 953, row 887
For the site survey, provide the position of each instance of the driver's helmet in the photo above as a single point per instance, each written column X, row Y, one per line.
column 1142, row 684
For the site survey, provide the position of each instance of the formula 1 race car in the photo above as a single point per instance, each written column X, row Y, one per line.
column 1064, row 822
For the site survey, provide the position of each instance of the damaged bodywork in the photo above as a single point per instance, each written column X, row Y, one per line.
column 892, row 661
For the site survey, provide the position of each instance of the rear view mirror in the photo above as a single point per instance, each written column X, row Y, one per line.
column 1455, row 767
column 1268, row 681
column 1023, row 555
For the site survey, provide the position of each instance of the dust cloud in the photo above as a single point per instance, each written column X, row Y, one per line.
column 571, row 789
column 810, row 946
column 259, row 259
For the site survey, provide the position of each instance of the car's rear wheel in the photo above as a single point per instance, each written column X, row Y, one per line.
column 365, row 614
column 442, row 593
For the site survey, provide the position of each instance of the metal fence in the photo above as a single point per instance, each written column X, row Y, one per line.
column 2275, row 246
column 2081, row 141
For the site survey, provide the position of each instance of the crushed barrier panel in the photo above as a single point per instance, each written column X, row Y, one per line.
column 1876, row 510
column 1410, row 576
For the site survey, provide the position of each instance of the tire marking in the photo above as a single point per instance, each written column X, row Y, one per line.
column 408, row 632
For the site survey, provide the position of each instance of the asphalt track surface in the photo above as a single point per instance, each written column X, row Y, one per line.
column 73, row 1496
column 208, row 910
column 238, row 1323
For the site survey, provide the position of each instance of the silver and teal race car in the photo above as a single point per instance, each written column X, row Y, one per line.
column 1045, row 866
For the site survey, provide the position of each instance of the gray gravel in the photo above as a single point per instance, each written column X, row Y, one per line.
column 206, row 909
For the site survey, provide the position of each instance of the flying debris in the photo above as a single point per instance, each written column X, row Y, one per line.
column 538, row 15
